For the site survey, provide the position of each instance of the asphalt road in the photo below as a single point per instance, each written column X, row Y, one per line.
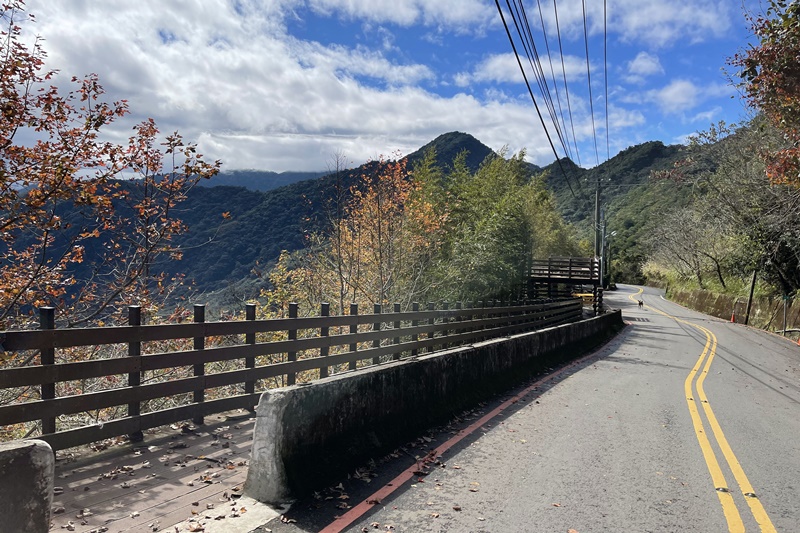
column 682, row 423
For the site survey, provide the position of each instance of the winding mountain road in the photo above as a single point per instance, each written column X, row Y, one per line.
column 682, row 423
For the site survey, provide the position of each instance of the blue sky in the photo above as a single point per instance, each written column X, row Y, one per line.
column 284, row 85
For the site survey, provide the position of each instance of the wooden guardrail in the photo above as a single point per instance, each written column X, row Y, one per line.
column 223, row 364
column 575, row 270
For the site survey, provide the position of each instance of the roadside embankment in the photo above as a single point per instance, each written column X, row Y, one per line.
column 765, row 313
column 306, row 435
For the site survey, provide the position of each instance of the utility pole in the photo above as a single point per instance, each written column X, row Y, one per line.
column 597, row 238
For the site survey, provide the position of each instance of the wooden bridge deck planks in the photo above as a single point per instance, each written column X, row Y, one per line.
column 172, row 476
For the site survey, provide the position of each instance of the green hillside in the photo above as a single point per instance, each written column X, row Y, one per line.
column 219, row 253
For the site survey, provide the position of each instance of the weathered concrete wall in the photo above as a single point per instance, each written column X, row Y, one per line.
column 27, row 468
column 305, row 435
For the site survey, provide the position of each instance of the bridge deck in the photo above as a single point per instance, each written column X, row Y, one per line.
column 160, row 484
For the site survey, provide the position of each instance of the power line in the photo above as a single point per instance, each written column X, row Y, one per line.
column 589, row 77
column 566, row 86
column 530, row 91
column 605, row 71
column 553, row 72
column 536, row 65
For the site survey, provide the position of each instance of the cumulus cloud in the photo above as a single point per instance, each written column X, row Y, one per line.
column 458, row 14
column 643, row 66
column 654, row 23
column 677, row 97
column 503, row 68
column 238, row 76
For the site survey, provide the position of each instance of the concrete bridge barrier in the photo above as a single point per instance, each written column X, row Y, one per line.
column 307, row 435
column 27, row 468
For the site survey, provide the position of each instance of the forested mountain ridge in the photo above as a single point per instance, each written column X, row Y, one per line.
column 262, row 224
column 218, row 252
column 258, row 180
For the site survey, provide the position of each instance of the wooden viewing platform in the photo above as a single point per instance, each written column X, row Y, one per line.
column 180, row 478
column 558, row 277
column 569, row 270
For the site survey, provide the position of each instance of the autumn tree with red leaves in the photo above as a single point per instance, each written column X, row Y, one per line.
column 65, row 191
column 770, row 73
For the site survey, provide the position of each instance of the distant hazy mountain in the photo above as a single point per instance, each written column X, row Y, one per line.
column 258, row 180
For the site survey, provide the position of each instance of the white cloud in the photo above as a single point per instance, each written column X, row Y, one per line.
column 654, row 23
column 503, row 68
column 677, row 97
column 461, row 14
column 231, row 75
column 644, row 65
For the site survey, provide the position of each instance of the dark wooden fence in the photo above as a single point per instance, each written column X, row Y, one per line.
column 574, row 270
column 324, row 343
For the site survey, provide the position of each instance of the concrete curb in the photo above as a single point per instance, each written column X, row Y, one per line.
column 306, row 435
column 27, row 468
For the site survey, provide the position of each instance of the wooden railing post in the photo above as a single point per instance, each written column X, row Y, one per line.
column 460, row 318
column 414, row 323
column 250, row 338
column 135, row 377
column 353, row 330
column 199, row 368
column 376, row 326
column 47, row 320
column 325, row 310
column 291, row 377
column 431, row 322
column 396, row 355
column 445, row 320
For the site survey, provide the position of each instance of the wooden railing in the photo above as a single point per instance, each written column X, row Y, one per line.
column 224, row 364
column 567, row 269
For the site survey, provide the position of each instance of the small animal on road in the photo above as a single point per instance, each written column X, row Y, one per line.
column 641, row 304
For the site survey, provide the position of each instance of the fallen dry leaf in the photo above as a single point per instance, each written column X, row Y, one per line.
column 556, row 505
column 456, row 507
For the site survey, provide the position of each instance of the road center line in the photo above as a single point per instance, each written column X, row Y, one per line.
column 729, row 508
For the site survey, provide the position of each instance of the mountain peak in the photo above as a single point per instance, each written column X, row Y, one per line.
column 449, row 145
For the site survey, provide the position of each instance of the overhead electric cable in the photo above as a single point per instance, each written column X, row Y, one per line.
column 566, row 86
column 530, row 91
column 536, row 64
column 553, row 73
column 589, row 77
column 605, row 71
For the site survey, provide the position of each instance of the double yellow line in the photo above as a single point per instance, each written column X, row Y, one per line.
column 694, row 381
